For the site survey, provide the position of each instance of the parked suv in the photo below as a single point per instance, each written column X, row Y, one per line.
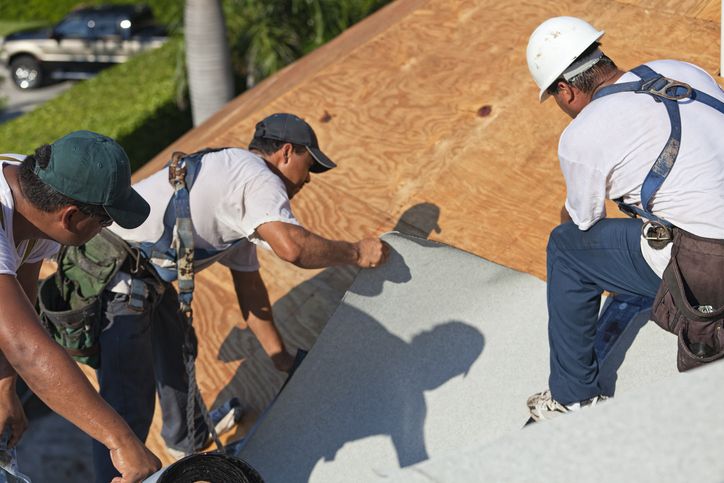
column 84, row 42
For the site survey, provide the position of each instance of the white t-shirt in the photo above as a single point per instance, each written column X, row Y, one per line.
column 233, row 194
column 609, row 148
column 11, row 256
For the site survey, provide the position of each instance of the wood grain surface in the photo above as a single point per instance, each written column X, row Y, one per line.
column 429, row 111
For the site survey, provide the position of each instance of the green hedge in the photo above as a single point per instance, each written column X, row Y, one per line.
column 134, row 103
column 168, row 12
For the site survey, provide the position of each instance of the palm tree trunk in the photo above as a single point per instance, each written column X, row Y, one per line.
column 208, row 62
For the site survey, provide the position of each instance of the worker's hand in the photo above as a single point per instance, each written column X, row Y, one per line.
column 133, row 461
column 12, row 416
column 372, row 252
column 283, row 361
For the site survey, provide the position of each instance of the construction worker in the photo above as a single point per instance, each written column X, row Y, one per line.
column 621, row 145
column 64, row 193
column 238, row 199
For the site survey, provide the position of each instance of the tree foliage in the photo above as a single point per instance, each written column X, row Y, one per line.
column 266, row 35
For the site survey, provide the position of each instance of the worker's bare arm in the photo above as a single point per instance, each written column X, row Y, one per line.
column 12, row 416
column 27, row 276
column 305, row 249
column 257, row 313
column 56, row 379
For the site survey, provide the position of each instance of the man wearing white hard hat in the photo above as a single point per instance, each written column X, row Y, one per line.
column 650, row 139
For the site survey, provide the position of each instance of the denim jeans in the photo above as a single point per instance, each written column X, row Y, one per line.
column 141, row 353
column 9, row 472
column 581, row 265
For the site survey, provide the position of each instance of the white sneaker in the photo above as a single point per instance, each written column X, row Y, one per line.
column 542, row 405
column 226, row 417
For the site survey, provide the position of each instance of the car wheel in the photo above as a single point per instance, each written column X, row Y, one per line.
column 26, row 72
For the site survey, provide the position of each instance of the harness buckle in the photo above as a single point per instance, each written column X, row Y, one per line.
column 656, row 234
column 666, row 88
column 177, row 169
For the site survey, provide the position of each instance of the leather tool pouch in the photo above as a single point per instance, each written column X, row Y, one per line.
column 690, row 300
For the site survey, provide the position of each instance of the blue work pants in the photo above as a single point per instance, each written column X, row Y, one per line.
column 581, row 265
column 141, row 353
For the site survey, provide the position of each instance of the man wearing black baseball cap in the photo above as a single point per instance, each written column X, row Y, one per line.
column 239, row 199
column 63, row 193
column 292, row 129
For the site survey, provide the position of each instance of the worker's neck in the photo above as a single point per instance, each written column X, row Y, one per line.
column 612, row 78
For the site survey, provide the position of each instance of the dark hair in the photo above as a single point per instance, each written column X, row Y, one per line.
column 589, row 79
column 44, row 197
column 271, row 146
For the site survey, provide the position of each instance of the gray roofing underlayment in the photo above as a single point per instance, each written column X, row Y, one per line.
column 425, row 367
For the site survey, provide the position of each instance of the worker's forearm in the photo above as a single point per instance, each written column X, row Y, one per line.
column 52, row 375
column 307, row 250
column 257, row 313
column 318, row 252
column 6, row 370
column 56, row 379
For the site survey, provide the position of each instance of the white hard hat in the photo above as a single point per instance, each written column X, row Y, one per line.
column 554, row 45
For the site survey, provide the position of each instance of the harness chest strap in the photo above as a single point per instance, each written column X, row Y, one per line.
column 31, row 243
column 668, row 92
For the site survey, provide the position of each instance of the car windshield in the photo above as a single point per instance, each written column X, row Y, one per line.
column 75, row 26
column 106, row 25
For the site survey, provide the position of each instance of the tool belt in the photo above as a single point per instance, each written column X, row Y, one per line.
column 70, row 302
column 690, row 299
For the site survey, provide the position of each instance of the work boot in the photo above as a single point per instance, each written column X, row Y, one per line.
column 225, row 418
column 542, row 405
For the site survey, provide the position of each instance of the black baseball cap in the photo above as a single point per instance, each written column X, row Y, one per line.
column 93, row 169
column 293, row 129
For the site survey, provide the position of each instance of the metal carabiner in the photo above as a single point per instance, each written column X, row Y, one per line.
column 655, row 88
column 656, row 234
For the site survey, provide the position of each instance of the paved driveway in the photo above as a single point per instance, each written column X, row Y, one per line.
column 19, row 101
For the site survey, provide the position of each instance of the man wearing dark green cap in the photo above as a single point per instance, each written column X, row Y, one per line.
column 62, row 194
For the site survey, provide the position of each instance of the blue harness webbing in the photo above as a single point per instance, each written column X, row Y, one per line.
column 179, row 250
column 668, row 91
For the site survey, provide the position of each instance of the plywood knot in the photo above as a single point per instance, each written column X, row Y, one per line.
column 485, row 110
column 326, row 117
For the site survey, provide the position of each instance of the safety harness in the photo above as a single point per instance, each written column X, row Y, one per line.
column 176, row 247
column 690, row 299
column 667, row 91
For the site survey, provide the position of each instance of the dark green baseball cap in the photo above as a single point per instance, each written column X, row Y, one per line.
column 93, row 169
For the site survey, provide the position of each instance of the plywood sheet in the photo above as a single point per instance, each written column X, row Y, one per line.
column 701, row 9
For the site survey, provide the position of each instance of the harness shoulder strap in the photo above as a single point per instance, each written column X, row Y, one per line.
column 163, row 252
column 668, row 92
